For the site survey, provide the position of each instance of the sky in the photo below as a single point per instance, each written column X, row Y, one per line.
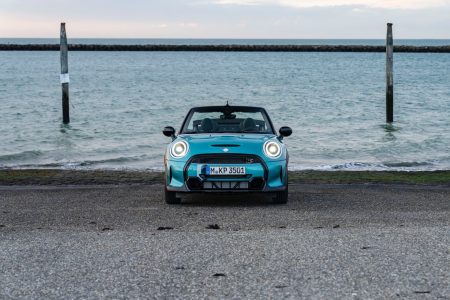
column 284, row 19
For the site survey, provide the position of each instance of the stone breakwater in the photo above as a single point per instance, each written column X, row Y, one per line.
column 227, row 48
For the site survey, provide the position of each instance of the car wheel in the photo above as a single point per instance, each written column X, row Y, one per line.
column 171, row 197
column 281, row 197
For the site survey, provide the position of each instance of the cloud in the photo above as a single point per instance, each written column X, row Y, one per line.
column 388, row 4
column 188, row 25
column 17, row 26
column 313, row 19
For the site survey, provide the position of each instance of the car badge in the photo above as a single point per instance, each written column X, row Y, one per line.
column 225, row 149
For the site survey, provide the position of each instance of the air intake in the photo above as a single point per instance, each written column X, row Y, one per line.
column 194, row 183
column 256, row 183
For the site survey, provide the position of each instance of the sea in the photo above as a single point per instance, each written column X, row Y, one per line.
column 120, row 102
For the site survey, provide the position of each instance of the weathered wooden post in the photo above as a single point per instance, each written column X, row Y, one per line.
column 64, row 77
column 389, row 75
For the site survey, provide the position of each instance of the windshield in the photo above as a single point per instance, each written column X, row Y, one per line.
column 227, row 119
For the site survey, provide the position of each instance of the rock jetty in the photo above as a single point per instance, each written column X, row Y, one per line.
column 227, row 48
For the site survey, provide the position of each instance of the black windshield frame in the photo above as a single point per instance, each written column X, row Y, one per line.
column 226, row 109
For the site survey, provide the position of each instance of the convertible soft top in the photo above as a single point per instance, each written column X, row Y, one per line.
column 227, row 108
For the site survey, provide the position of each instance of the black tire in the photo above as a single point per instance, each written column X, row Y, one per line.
column 171, row 197
column 281, row 197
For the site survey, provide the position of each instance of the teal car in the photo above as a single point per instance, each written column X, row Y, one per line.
column 226, row 149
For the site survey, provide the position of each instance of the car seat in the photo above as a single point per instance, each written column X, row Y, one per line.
column 249, row 124
column 207, row 125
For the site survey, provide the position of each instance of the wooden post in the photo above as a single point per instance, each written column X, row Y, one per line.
column 64, row 77
column 389, row 75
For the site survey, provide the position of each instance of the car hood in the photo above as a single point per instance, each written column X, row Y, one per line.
column 220, row 143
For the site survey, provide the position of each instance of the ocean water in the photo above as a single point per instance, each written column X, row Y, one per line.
column 120, row 101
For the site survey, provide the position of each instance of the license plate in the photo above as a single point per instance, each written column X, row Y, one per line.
column 225, row 170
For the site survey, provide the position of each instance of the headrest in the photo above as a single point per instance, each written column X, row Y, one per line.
column 207, row 125
column 249, row 124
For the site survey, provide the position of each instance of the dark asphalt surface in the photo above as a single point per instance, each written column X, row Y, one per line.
column 328, row 242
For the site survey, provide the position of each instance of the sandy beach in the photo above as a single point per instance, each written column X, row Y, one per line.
column 93, row 239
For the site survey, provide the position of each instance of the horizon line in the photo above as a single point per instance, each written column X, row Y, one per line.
column 226, row 38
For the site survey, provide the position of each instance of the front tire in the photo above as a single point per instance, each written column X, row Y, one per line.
column 171, row 197
column 281, row 197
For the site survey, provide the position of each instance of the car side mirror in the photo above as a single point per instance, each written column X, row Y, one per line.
column 169, row 131
column 285, row 131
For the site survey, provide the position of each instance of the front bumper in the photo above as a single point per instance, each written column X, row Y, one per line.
column 261, row 175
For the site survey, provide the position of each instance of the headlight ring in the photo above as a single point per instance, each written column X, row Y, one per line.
column 179, row 149
column 272, row 149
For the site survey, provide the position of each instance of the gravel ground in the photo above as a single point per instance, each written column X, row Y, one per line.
column 330, row 241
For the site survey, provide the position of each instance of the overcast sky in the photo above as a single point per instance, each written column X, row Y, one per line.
column 226, row 18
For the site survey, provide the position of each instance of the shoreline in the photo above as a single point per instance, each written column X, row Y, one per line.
column 227, row 48
column 10, row 177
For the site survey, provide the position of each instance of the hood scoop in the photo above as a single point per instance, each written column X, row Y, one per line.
column 225, row 145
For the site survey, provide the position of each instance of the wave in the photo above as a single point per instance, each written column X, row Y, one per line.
column 364, row 166
column 32, row 154
column 85, row 164
column 408, row 164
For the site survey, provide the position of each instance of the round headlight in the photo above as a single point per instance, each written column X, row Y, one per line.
column 179, row 149
column 272, row 149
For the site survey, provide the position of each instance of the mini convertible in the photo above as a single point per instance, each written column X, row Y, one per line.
column 226, row 149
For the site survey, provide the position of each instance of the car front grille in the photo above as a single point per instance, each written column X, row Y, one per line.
column 225, row 182
column 225, row 185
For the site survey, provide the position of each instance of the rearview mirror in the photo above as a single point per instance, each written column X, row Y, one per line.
column 285, row 131
column 169, row 131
